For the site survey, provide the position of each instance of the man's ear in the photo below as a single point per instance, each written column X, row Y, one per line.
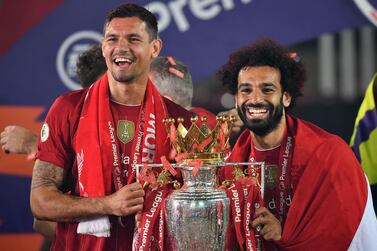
column 287, row 99
column 156, row 47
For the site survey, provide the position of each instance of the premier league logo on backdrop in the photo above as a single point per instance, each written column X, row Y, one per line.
column 68, row 53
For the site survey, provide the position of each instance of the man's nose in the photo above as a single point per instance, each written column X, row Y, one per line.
column 123, row 44
column 256, row 97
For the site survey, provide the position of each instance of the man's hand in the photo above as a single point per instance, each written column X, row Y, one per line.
column 271, row 227
column 16, row 139
column 127, row 200
column 237, row 124
column 49, row 203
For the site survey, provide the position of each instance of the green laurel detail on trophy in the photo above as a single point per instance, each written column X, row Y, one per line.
column 270, row 175
column 125, row 131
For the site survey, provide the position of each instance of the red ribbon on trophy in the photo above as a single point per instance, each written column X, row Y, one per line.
column 151, row 215
column 245, row 196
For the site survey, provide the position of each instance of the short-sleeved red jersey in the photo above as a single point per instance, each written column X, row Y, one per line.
column 57, row 146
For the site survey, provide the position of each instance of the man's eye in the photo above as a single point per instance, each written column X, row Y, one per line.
column 245, row 90
column 134, row 39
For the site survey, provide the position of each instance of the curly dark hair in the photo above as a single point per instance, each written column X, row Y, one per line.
column 90, row 66
column 266, row 53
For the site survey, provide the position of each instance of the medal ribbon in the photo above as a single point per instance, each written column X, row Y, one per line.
column 235, row 194
column 147, row 117
column 253, row 200
column 283, row 179
column 151, row 212
column 119, row 170
column 161, row 227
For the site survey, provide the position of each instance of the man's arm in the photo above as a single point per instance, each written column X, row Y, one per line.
column 49, row 203
column 17, row 139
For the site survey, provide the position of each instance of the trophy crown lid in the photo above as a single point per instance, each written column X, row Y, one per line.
column 199, row 142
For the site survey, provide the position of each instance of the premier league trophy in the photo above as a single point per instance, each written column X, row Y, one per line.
column 197, row 213
column 197, row 216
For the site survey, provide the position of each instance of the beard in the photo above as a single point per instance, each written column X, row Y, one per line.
column 122, row 77
column 262, row 127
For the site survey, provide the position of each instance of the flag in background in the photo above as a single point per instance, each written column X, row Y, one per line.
column 364, row 137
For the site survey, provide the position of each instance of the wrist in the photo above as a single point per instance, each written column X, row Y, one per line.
column 32, row 146
column 104, row 202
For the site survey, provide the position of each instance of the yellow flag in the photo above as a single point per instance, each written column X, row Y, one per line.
column 364, row 137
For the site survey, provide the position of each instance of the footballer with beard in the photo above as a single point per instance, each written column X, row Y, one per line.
column 316, row 194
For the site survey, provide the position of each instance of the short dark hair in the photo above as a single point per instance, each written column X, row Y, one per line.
column 172, row 78
column 90, row 66
column 266, row 53
column 134, row 10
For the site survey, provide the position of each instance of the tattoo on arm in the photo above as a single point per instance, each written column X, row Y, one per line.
column 52, row 204
column 46, row 174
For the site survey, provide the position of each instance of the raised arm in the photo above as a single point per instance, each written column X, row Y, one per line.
column 17, row 139
column 49, row 203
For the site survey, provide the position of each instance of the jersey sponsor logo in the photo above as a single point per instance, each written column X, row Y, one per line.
column 125, row 131
column 45, row 132
column 68, row 53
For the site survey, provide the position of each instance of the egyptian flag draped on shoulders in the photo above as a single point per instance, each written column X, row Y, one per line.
column 331, row 207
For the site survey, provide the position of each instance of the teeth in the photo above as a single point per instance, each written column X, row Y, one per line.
column 122, row 60
column 256, row 111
